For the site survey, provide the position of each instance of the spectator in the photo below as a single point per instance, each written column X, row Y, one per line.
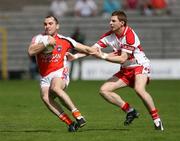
column 170, row 5
column 110, row 6
column 58, row 8
column 85, row 8
column 159, row 6
column 131, row 4
column 146, row 8
column 33, row 68
column 79, row 37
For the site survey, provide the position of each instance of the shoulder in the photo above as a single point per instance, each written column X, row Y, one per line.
column 106, row 34
column 130, row 36
column 68, row 40
column 37, row 38
column 64, row 38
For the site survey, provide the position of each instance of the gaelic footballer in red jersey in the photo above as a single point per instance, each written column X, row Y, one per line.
column 50, row 49
column 134, row 70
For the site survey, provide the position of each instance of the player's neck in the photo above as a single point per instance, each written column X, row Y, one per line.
column 54, row 35
column 120, row 31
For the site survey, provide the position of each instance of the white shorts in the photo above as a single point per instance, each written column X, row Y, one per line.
column 62, row 73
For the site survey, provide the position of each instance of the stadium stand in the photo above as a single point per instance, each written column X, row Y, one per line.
column 159, row 34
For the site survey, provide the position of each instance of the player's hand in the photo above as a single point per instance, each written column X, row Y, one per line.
column 96, row 52
column 51, row 40
column 70, row 56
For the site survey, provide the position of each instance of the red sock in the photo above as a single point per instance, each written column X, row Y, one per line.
column 126, row 107
column 65, row 118
column 154, row 114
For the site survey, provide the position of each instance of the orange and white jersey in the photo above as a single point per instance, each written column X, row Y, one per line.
column 50, row 62
column 128, row 42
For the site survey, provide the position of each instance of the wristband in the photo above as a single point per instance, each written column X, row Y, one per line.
column 104, row 55
column 45, row 40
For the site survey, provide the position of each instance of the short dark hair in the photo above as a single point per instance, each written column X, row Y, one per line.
column 52, row 16
column 121, row 16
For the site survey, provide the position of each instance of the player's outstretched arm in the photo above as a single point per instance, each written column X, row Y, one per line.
column 71, row 57
column 85, row 49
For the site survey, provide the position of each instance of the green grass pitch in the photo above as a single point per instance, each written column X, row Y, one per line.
column 24, row 117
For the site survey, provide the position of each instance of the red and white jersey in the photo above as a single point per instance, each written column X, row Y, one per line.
column 50, row 62
column 128, row 42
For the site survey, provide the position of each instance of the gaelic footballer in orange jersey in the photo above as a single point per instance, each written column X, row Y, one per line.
column 50, row 50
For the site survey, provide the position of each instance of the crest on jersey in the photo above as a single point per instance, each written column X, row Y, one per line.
column 59, row 48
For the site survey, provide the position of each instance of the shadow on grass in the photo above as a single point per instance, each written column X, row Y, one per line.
column 30, row 131
column 50, row 131
column 103, row 129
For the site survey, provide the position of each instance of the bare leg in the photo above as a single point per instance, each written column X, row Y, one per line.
column 57, row 86
column 49, row 102
column 140, row 83
column 107, row 89
column 107, row 92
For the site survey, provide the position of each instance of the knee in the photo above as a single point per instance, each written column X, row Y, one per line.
column 56, row 92
column 141, row 92
column 54, row 89
column 103, row 91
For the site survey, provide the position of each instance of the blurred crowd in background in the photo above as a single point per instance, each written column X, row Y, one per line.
column 88, row 8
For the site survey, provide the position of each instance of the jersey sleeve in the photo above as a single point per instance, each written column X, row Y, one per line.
column 104, row 39
column 100, row 44
column 69, row 39
column 72, row 41
column 129, row 45
column 37, row 39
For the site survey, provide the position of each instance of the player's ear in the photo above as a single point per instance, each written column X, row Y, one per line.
column 122, row 23
column 57, row 26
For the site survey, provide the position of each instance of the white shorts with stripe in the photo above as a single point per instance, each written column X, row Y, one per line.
column 62, row 73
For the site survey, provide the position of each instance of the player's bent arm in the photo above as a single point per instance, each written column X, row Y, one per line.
column 35, row 49
column 71, row 57
column 120, row 59
column 43, row 42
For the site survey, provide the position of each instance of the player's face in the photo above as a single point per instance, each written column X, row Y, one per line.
column 50, row 26
column 115, row 24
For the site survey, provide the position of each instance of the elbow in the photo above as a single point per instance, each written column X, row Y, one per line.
column 122, row 61
column 30, row 52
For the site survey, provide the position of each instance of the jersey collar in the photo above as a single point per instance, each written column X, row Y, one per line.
column 123, row 33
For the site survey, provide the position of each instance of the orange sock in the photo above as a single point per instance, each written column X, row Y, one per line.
column 76, row 114
column 65, row 118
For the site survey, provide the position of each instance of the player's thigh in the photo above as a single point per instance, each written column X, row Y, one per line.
column 140, row 81
column 57, row 83
column 44, row 92
column 112, row 84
